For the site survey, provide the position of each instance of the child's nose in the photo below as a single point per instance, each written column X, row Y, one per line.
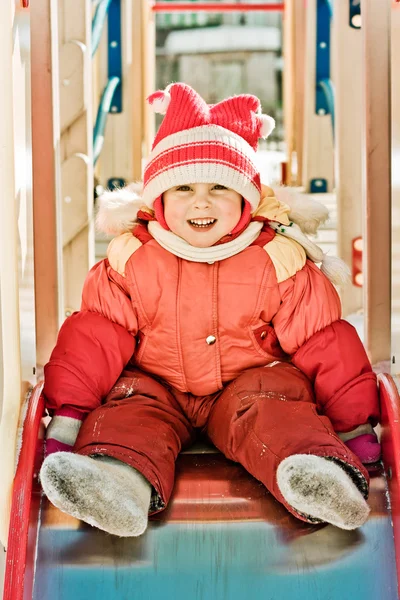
column 202, row 200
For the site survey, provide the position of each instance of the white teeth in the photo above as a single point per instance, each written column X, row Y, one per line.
column 202, row 222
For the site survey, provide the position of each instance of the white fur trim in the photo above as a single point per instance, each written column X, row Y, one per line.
column 335, row 269
column 178, row 246
column 101, row 491
column 306, row 212
column 267, row 125
column 294, row 232
column 321, row 489
column 117, row 209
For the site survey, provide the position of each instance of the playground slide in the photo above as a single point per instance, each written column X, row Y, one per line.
column 223, row 537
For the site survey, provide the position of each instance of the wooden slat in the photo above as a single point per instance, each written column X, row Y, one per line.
column 10, row 379
column 137, row 89
column 46, row 185
column 77, row 161
column 76, row 268
column 73, row 96
column 376, row 176
column 17, row 318
column 299, row 90
column 289, row 79
column 293, row 87
column 395, row 79
column 149, row 77
column 347, row 48
column 75, row 172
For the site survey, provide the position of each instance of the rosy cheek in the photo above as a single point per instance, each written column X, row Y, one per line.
column 173, row 219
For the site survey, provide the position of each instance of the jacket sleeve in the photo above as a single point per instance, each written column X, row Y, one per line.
column 93, row 345
column 327, row 349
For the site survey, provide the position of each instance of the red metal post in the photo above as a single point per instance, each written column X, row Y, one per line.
column 169, row 7
column 357, row 270
column 390, row 439
column 284, row 173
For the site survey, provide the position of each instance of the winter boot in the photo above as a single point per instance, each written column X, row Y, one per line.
column 321, row 489
column 100, row 490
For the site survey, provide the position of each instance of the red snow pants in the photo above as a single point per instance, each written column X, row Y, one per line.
column 257, row 420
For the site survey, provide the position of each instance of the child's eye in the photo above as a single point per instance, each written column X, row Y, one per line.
column 219, row 187
column 183, row 188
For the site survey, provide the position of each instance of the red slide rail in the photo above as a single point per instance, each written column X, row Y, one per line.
column 18, row 582
column 390, row 421
column 194, row 7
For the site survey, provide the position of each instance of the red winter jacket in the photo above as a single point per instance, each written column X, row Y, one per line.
column 199, row 325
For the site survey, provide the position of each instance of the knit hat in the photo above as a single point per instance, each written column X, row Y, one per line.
column 202, row 143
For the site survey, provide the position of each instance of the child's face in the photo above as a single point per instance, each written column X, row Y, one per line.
column 202, row 213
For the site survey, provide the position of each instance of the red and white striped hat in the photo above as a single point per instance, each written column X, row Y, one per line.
column 201, row 143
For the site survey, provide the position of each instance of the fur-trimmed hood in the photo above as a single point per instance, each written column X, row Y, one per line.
column 288, row 212
column 118, row 209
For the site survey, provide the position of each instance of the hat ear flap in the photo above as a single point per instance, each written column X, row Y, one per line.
column 267, row 125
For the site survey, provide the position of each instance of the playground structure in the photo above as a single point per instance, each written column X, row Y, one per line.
column 75, row 75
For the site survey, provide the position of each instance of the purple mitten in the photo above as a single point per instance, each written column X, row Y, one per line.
column 63, row 430
column 366, row 447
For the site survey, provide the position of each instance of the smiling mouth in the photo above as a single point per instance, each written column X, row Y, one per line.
column 202, row 223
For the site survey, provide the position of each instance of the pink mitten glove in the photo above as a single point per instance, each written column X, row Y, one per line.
column 366, row 447
column 63, row 430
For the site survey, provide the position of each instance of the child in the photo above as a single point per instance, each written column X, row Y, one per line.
column 207, row 315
